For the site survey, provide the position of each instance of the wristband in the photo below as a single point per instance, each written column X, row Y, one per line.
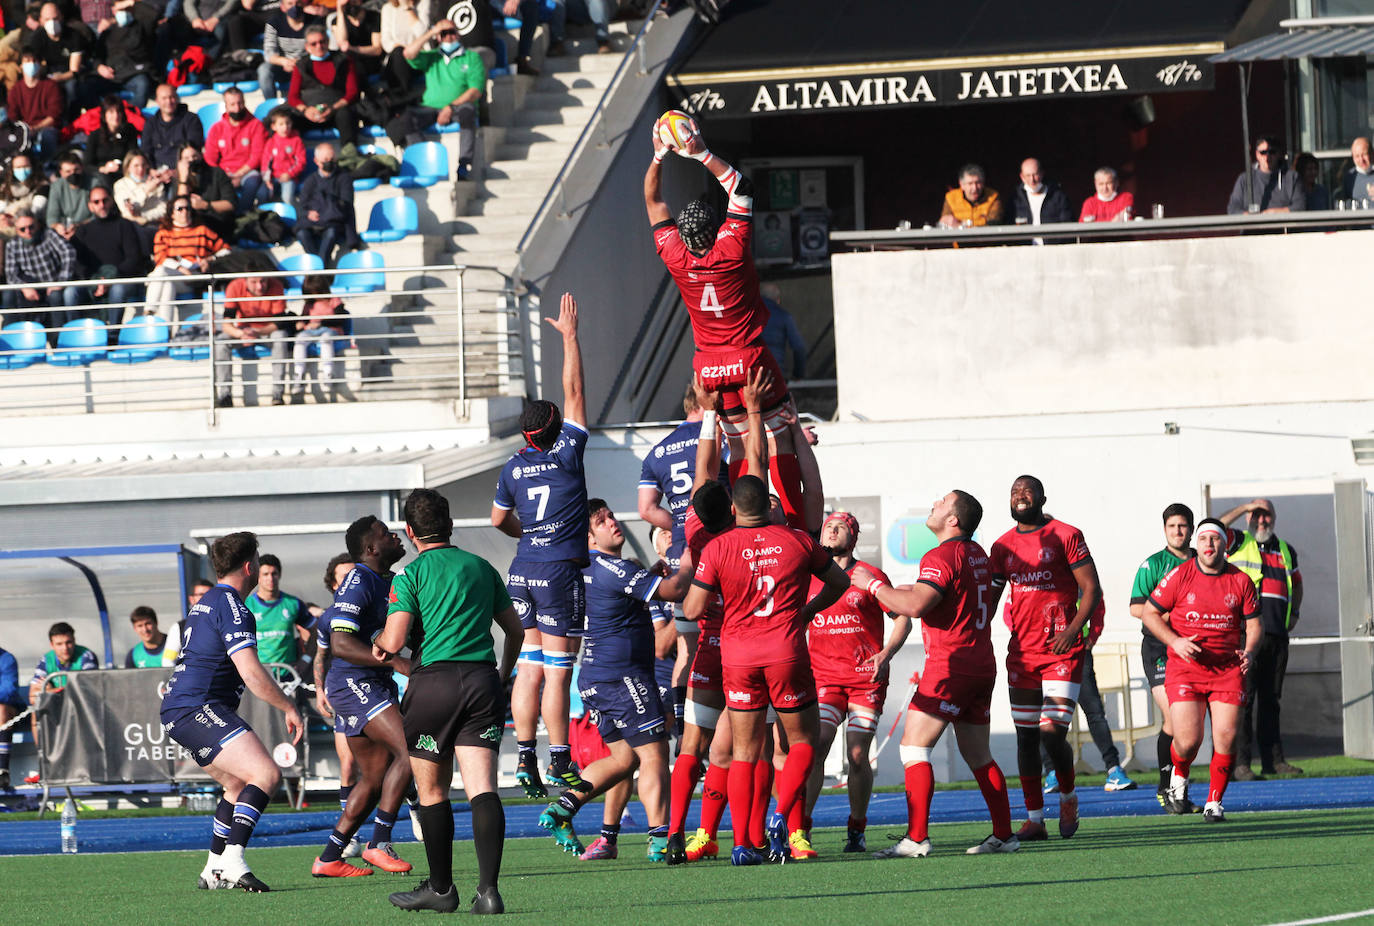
column 873, row 586
column 659, row 155
column 708, row 425
column 703, row 157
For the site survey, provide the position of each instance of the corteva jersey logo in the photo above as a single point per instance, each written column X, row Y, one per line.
column 426, row 743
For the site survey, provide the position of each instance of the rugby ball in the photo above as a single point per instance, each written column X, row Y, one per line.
column 674, row 128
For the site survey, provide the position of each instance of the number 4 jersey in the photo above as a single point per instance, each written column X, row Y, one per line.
column 720, row 288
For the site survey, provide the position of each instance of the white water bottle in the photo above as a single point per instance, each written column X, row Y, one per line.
column 69, row 827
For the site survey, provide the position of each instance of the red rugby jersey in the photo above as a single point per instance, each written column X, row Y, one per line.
column 697, row 537
column 847, row 632
column 1212, row 608
column 1039, row 565
column 721, row 288
column 958, row 631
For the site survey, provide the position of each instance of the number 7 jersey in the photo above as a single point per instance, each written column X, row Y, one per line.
column 549, row 494
column 720, row 288
column 957, row 632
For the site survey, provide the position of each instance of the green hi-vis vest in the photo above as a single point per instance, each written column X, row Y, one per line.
column 1249, row 559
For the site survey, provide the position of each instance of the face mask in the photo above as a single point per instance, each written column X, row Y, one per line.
column 238, row 116
column 22, row 173
column 52, row 27
column 75, row 179
column 30, row 68
column 123, row 17
column 326, row 167
column 318, row 57
column 449, row 48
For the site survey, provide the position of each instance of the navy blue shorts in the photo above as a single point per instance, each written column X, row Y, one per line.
column 549, row 597
column 357, row 697
column 626, row 708
column 205, row 731
column 663, row 676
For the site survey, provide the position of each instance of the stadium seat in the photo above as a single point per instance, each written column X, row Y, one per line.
column 305, row 264
column 247, row 86
column 360, row 282
column 209, row 114
column 141, row 340
column 186, row 90
column 423, row 165
column 80, row 342
column 374, row 131
column 392, row 219
column 22, row 344
column 367, row 183
column 261, row 111
column 285, row 210
column 198, row 352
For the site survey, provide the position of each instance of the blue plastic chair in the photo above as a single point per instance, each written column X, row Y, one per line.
column 143, row 339
column 374, row 131
column 422, row 165
column 80, row 342
column 199, row 352
column 247, row 86
column 264, row 109
column 360, row 282
column 190, row 89
column 285, row 210
column 392, row 219
column 209, row 114
column 306, row 264
column 22, row 344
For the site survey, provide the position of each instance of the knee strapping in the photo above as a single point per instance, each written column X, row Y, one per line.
column 831, row 715
column 1056, row 715
column 701, row 716
column 910, row 755
column 1025, row 716
column 532, row 655
column 558, row 660
column 861, row 721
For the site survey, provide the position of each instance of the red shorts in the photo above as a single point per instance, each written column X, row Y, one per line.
column 1028, row 669
column 787, row 686
column 868, row 695
column 725, row 371
column 585, row 742
column 956, row 698
column 706, row 673
column 1188, row 681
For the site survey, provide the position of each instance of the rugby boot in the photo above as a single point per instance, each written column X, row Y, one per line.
column 677, row 848
column 993, row 845
column 800, row 845
column 702, row 845
column 745, row 855
column 1031, row 831
column 658, row 849
column 1176, row 801
column 425, row 897
column 488, row 900
column 1068, row 815
column 527, row 776
column 600, row 849
column 1212, row 813
column 337, row 869
column 855, row 841
column 777, row 838
column 209, row 876
column 353, row 849
column 570, row 777
column 559, row 822
column 906, row 847
column 236, row 875
column 1162, row 795
column 383, row 855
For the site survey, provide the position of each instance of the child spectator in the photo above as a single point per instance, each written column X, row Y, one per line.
column 283, row 158
column 322, row 324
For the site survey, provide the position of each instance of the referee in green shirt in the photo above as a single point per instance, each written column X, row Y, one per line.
column 442, row 606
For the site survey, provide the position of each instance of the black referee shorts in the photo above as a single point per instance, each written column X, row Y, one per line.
column 450, row 704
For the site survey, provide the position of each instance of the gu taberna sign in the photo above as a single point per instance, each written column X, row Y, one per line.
column 739, row 96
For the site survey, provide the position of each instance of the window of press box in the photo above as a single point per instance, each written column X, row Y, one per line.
column 797, row 201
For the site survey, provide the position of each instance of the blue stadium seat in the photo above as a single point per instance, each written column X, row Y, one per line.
column 80, row 342
column 321, row 134
column 262, row 110
column 392, row 219
column 374, row 131
column 305, row 264
column 247, row 86
column 360, row 282
column 141, row 340
column 199, row 352
column 285, row 210
column 22, row 344
column 209, row 114
column 367, row 183
column 423, row 165
column 190, row 89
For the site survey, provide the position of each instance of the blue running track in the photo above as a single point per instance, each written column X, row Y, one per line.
column 143, row 834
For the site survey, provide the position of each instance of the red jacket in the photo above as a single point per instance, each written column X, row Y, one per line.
column 31, row 105
column 231, row 145
column 283, row 157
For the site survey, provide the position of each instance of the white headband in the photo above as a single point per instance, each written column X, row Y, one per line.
column 1212, row 528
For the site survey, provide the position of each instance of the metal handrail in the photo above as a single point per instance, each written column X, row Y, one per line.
column 592, row 122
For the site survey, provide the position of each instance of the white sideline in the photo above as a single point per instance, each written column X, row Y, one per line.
column 1334, row 918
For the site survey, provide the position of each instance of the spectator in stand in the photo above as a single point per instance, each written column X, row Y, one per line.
column 36, row 101
column 65, row 656
column 97, row 15
column 1108, row 204
column 283, row 158
column 401, row 25
column 1308, row 171
column 528, row 12
column 139, row 196
column 358, row 34
column 974, row 203
column 109, row 145
column 283, row 43
column 245, row 298
column 171, row 127
column 126, row 52
column 246, row 20
column 20, row 191
column 108, row 247
column 321, row 325
column 40, row 259
column 181, row 247
column 582, row 12
column 325, row 218
column 235, row 146
column 147, row 652
column 1355, row 184
column 324, row 87
column 67, row 206
column 209, row 188
column 14, row 40
column 1037, row 202
column 200, row 22
column 1269, row 185
column 12, row 704
column 781, row 333
column 61, row 47
column 455, row 80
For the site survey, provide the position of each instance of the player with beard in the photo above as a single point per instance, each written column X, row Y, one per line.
column 1054, row 594
column 952, row 600
column 712, row 263
column 1213, row 633
column 850, row 661
column 1178, row 534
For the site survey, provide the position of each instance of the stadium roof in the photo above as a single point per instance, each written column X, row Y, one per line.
column 774, row 57
column 1335, row 38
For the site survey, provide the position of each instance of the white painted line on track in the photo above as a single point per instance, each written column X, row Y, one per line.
column 1334, row 918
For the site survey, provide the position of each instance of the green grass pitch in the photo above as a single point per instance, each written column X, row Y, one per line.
column 1257, row 868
